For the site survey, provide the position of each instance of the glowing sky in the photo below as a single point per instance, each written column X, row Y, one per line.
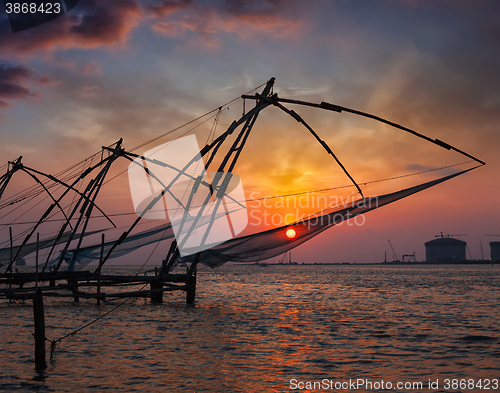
column 136, row 69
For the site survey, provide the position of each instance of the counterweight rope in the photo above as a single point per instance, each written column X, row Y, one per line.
column 53, row 343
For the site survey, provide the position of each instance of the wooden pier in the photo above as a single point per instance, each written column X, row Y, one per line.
column 87, row 285
column 91, row 285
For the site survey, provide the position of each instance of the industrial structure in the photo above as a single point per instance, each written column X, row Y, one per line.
column 445, row 249
column 495, row 251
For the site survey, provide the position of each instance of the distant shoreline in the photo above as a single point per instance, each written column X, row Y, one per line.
column 418, row 263
column 475, row 262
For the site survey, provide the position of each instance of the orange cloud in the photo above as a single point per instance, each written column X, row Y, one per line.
column 92, row 69
column 46, row 80
column 89, row 91
column 12, row 79
column 246, row 20
column 106, row 22
column 169, row 7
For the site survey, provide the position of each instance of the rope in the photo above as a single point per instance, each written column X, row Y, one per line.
column 219, row 109
column 192, row 121
column 33, row 189
column 73, row 170
column 211, row 134
column 53, row 343
column 152, row 252
column 275, row 196
column 363, row 183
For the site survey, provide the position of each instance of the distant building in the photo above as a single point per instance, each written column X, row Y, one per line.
column 495, row 251
column 445, row 249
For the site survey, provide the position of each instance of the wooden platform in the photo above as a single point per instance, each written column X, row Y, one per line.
column 90, row 285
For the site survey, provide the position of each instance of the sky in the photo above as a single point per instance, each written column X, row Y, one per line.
column 136, row 69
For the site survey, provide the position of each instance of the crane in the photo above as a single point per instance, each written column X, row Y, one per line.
column 455, row 235
column 394, row 256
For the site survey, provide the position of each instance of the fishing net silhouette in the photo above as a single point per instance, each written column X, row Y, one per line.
column 273, row 242
column 251, row 248
column 5, row 253
column 146, row 193
column 92, row 253
column 88, row 254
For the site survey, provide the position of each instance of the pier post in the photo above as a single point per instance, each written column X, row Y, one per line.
column 191, row 281
column 158, row 296
column 11, row 251
column 74, row 289
column 9, row 269
column 191, row 290
column 36, row 259
column 99, row 287
column 99, row 271
column 39, row 317
column 52, row 281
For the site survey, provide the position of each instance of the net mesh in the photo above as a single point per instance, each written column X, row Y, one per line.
column 273, row 242
column 262, row 245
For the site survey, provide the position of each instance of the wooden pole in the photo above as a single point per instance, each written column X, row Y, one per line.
column 36, row 260
column 39, row 331
column 11, row 250
column 99, row 270
column 11, row 259
column 156, row 297
column 191, row 281
column 74, row 289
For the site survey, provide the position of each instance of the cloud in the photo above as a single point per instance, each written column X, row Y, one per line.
column 96, row 23
column 92, row 24
column 106, row 22
column 89, row 91
column 46, row 80
column 15, row 80
column 7, row 149
column 244, row 19
column 12, row 90
column 11, row 82
column 166, row 8
column 92, row 69
column 14, row 73
column 448, row 89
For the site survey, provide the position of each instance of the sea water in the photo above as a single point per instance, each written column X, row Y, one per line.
column 273, row 329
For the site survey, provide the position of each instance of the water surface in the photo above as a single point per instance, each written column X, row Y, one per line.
column 254, row 329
